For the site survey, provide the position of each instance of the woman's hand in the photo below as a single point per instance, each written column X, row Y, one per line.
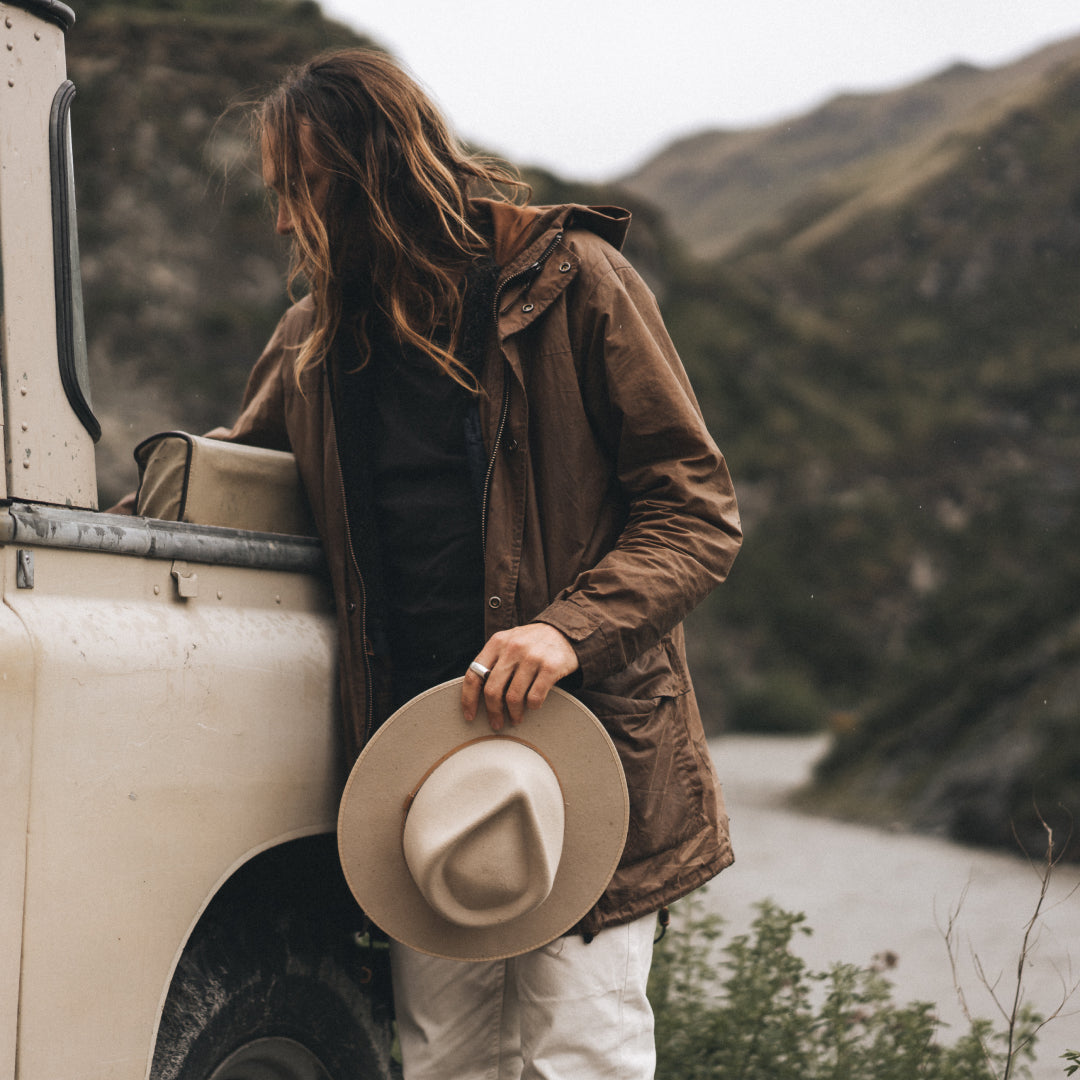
column 524, row 664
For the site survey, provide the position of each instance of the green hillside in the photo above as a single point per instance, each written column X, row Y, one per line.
column 719, row 187
column 895, row 374
column 887, row 351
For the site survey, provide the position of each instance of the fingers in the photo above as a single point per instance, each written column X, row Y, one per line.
column 504, row 689
column 525, row 663
column 505, row 692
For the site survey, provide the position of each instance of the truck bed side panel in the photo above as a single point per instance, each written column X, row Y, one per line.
column 16, row 726
column 172, row 738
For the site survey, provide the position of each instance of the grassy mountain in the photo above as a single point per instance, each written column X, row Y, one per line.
column 887, row 352
column 891, row 363
column 719, row 187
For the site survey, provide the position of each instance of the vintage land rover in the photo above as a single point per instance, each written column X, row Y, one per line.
column 171, row 902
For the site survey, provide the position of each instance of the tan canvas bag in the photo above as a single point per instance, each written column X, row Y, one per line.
column 185, row 477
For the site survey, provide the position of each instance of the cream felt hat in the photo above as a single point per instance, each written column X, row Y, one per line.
column 474, row 845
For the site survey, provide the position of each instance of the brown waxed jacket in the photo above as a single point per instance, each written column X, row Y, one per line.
column 608, row 513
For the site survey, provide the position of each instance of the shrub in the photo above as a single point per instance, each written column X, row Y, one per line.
column 758, row 1013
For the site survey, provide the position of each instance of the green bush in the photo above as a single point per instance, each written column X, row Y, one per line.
column 758, row 1013
column 783, row 702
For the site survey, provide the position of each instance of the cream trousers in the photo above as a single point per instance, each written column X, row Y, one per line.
column 568, row 1011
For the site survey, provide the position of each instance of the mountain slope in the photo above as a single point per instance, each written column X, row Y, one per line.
column 905, row 415
column 718, row 187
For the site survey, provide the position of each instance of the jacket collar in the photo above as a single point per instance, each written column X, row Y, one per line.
column 521, row 233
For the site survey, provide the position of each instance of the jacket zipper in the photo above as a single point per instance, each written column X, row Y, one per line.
column 504, row 412
column 369, row 690
column 533, row 268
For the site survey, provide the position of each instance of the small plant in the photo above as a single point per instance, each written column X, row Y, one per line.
column 756, row 1012
column 1022, row 1023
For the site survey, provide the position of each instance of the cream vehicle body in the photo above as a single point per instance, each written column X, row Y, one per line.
column 170, row 899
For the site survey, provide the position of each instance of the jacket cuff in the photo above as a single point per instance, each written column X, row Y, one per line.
column 586, row 638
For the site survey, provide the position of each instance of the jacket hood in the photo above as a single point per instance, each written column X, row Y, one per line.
column 517, row 228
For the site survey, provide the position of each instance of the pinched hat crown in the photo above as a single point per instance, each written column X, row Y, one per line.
column 484, row 833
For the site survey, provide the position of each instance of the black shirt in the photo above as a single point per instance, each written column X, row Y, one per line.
column 412, row 499
column 428, row 521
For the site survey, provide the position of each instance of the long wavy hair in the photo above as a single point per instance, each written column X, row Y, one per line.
column 395, row 235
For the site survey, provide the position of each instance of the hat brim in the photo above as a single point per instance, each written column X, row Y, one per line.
column 395, row 761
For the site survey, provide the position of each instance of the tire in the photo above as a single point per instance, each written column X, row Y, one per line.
column 268, row 995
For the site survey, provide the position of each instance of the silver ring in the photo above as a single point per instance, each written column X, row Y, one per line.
column 478, row 669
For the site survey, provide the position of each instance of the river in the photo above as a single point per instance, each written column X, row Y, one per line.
column 867, row 891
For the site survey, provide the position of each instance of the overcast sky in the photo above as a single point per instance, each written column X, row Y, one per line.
column 591, row 87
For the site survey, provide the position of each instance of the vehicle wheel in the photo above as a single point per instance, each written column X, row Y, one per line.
column 272, row 997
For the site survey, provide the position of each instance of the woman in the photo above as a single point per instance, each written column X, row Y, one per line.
column 512, row 481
